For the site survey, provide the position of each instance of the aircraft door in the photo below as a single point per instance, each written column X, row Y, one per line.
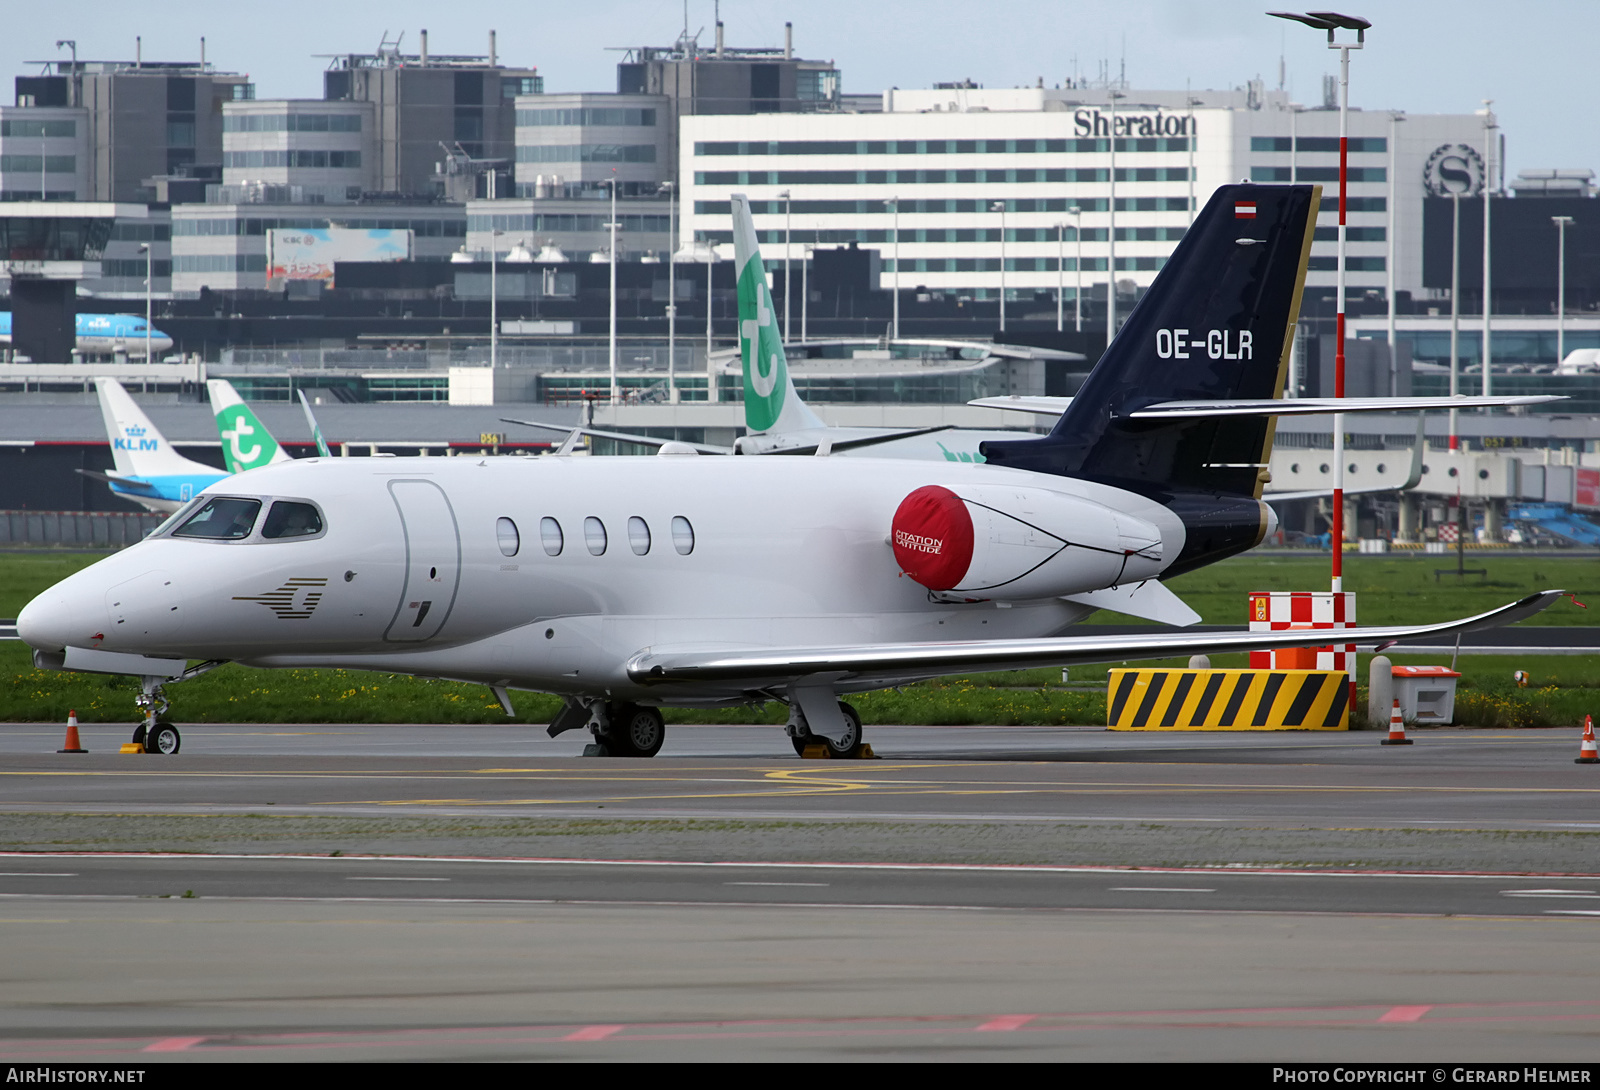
column 432, row 558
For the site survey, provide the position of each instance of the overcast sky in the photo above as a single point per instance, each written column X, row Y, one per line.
column 1423, row 56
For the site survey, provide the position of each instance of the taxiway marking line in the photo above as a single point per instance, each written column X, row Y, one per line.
column 779, row 1028
column 813, row 782
column 748, row 864
column 173, row 1044
column 593, row 1033
column 1005, row 1023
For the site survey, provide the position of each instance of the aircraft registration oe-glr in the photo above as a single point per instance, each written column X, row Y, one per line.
column 626, row 584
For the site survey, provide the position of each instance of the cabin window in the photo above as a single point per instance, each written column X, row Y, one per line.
column 638, row 535
column 288, row 519
column 682, row 535
column 594, row 535
column 224, row 518
column 505, row 532
column 551, row 536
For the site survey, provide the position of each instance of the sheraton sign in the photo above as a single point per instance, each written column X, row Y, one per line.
column 1090, row 122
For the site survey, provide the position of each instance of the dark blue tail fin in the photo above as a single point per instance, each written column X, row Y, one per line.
column 1217, row 322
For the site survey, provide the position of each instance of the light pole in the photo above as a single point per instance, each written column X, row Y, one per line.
column 805, row 290
column 672, row 290
column 893, row 204
column 1489, row 125
column 1193, row 132
column 611, row 353
column 1000, row 207
column 1395, row 117
column 1111, row 234
column 1332, row 22
column 149, row 281
column 1061, row 276
column 711, row 265
column 1562, row 223
column 1077, row 262
column 1455, row 313
column 786, row 204
column 494, row 305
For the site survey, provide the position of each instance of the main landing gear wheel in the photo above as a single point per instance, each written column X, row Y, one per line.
column 162, row 738
column 846, row 750
column 635, row 731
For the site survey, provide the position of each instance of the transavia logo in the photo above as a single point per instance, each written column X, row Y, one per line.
column 294, row 601
column 247, row 443
column 761, row 350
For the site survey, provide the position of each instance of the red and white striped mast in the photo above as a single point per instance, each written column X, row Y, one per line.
column 1332, row 21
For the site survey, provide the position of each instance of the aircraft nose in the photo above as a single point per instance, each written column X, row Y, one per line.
column 63, row 615
column 41, row 623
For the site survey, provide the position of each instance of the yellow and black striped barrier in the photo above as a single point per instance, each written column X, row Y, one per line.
column 1228, row 700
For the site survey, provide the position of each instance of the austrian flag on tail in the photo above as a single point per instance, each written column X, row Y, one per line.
column 1244, row 210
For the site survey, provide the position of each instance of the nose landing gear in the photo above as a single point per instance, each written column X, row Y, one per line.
column 156, row 734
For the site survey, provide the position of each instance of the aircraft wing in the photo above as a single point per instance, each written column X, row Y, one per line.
column 849, row 444
column 619, row 436
column 1044, row 406
column 766, row 667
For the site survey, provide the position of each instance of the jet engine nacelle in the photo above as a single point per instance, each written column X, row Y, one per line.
column 992, row 542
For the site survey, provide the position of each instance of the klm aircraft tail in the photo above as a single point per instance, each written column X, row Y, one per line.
column 137, row 448
column 246, row 443
column 770, row 401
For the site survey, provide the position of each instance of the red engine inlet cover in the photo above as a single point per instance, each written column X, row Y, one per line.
column 932, row 534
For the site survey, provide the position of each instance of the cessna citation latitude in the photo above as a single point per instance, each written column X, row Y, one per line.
column 626, row 584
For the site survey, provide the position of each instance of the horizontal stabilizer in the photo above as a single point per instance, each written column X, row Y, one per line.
column 618, row 436
column 1021, row 403
column 127, row 484
column 1317, row 406
column 1287, row 406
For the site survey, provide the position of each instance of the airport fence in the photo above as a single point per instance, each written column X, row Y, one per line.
column 88, row 529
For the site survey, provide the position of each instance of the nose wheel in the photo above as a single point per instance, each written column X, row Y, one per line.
column 156, row 734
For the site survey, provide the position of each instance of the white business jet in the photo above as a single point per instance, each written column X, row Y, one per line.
column 630, row 584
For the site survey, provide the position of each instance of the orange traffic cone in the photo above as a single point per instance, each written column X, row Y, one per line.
column 1397, row 729
column 73, row 745
column 1587, row 754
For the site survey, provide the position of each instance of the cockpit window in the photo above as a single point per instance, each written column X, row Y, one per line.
column 225, row 518
column 178, row 517
column 288, row 519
